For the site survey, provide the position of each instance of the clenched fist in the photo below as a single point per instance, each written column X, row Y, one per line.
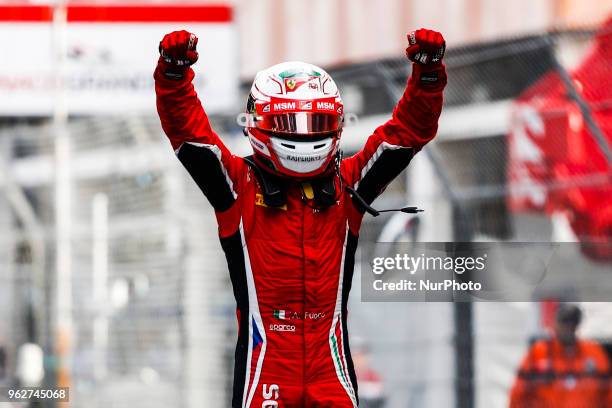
column 178, row 51
column 425, row 47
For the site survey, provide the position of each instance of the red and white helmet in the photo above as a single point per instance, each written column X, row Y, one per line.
column 294, row 120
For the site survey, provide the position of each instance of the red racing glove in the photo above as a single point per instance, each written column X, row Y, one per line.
column 425, row 47
column 177, row 52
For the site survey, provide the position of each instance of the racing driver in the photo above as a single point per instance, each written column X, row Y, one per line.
column 289, row 215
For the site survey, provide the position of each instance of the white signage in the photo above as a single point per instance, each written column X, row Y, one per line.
column 111, row 52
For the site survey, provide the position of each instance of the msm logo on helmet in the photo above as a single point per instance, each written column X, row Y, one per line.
column 281, row 106
column 329, row 106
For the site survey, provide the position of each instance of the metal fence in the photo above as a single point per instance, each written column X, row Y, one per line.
column 159, row 329
column 475, row 164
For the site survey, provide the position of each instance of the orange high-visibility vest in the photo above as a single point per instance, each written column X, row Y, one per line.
column 552, row 376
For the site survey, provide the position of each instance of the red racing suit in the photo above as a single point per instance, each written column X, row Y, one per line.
column 291, row 267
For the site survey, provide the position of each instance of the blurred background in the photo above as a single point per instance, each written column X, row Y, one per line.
column 112, row 280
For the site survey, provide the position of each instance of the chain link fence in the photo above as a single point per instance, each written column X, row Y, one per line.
column 159, row 330
column 522, row 155
column 147, row 333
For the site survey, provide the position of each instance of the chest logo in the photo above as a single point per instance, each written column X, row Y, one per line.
column 259, row 200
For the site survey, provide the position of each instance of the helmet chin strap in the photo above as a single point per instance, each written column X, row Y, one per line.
column 368, row 208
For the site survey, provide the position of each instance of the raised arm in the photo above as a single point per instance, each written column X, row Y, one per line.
column 413, row 124
column 214, row 169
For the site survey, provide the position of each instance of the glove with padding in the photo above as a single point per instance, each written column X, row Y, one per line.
column 177, row 52
column 425, row 47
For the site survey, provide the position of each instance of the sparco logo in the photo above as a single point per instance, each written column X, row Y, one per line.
column 282, row 327
column 271, row 394
column 326, row 106
column 284, row 106
column 303, row 158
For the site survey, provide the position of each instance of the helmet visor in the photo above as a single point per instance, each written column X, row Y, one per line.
column 299, row 122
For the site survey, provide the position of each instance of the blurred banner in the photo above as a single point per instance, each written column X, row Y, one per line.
column 108, row 54
column 559, row 145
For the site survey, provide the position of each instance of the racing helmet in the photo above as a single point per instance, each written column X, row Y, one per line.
column 294, row 120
